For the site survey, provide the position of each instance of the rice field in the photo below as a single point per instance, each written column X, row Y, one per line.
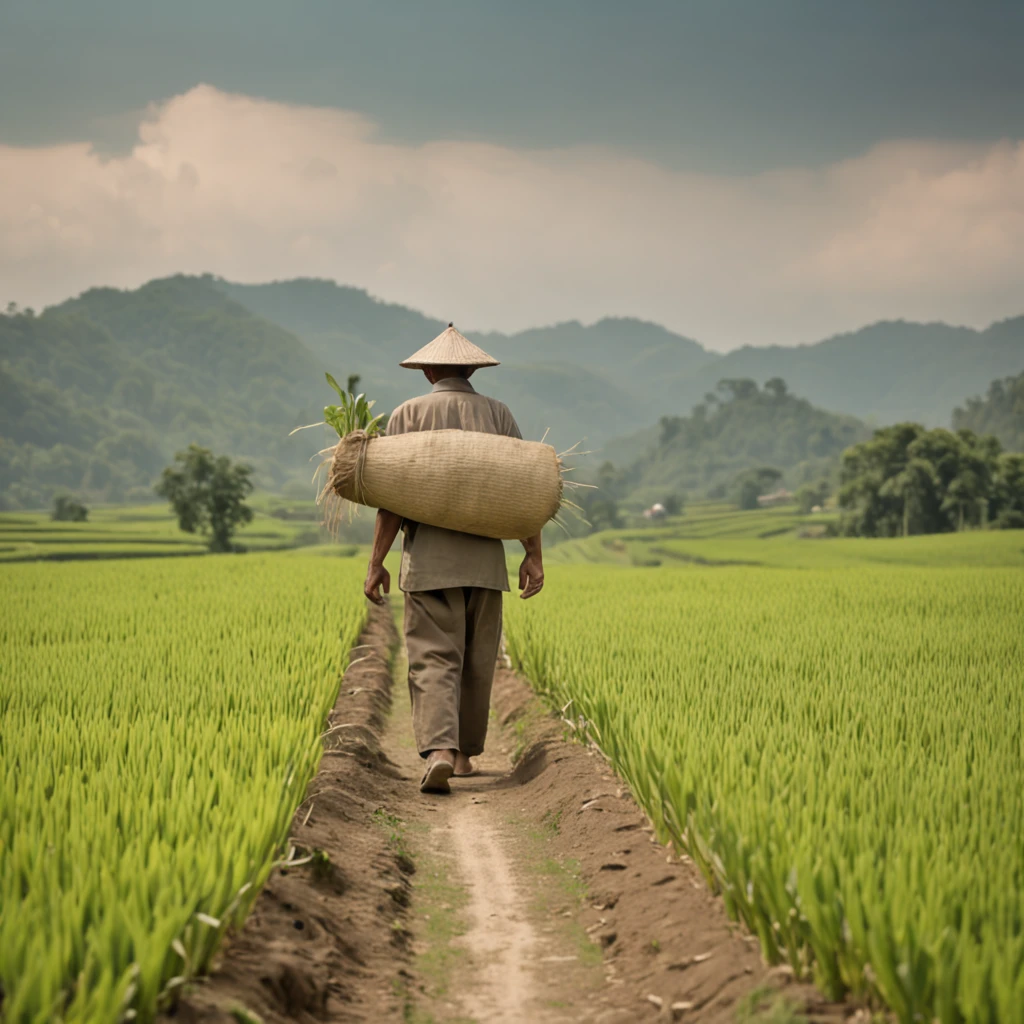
column 159, row 723
column 832, row 729
column 837, row 740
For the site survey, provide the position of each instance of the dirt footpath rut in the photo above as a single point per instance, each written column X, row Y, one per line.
column 471, row 841
column 534, row 892
column 501, row 939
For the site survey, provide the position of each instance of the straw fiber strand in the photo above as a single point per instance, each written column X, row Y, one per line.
column 485, row 484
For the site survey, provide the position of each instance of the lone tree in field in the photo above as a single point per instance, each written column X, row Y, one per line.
column 208, row 494
column 68, row 510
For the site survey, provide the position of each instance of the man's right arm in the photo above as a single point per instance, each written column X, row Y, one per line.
column 385, row 530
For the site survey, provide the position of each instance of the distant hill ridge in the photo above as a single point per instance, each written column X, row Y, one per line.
column 97, row 392
column 739, row 428
column 883, row 372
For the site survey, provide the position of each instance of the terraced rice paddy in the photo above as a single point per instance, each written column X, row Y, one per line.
column 143, row 531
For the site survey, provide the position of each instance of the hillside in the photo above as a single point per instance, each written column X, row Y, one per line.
column 744, row 427
column 98, row 393
column 571, row 380
column 887, row 371
column 1000, row 412
column 883, row 373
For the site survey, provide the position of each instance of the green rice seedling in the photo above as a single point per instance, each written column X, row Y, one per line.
column 353, row 412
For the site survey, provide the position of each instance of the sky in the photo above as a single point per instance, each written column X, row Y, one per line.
column 742, row 171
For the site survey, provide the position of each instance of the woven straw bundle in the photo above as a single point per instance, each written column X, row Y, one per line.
column 486, row 484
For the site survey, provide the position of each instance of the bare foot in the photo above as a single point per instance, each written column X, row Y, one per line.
column 463, row 765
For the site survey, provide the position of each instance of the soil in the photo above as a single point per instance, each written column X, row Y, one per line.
column 534, row 892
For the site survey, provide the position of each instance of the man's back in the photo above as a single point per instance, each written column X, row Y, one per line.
column 432, row 558
column 453, row 404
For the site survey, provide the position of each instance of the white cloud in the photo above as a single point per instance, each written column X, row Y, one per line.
column 504, row 238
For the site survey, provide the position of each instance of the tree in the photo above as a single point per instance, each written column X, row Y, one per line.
column 910, row 480
column 603, row 514
column 670, row 427
column 207, row 494
column 753, row 483
column 673, row 504
column 776, row 387
column 810, row 496
column 68, row 510
column 910, row 487
column 1008, row 497
column 740, row 389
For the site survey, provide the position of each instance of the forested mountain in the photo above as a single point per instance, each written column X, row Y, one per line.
column 98, row 392
column 883, row 373
column 575, row 382
column 1000, row 412
column 888, row 371
column 738, row 428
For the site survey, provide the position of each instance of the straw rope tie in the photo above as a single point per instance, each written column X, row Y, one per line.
column 360, row 466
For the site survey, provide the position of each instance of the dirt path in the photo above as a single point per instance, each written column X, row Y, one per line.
column 500, row 973
column 534, row 892
column 501, row 939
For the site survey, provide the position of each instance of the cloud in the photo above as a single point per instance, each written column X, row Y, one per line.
column 504, row 238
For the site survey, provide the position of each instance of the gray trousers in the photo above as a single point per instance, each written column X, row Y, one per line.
column 453, row 637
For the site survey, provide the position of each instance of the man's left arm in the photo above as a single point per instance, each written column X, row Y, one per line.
column 531, row 572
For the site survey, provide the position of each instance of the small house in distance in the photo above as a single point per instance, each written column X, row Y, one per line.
column 656, row 511
column 779, row 497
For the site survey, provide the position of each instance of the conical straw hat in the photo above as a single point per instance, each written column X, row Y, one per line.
column 449, row 348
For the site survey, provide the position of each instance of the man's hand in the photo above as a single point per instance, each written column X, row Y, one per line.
column 376, row 578
column 385, row 530
column 531, row 575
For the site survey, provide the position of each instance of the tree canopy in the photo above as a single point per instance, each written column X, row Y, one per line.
column 207, row 493
column 908, row 480
column 67, row 509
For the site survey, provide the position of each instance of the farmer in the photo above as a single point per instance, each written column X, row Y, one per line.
column 453, row 582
